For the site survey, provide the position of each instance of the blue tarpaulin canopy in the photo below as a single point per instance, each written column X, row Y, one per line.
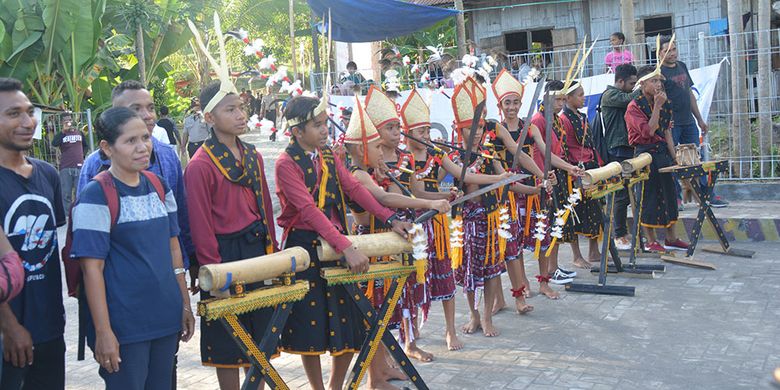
column 376, row 20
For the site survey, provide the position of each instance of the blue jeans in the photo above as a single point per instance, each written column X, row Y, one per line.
column 146, row 365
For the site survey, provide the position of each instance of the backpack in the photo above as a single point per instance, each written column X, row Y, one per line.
column 597, row 131
column 73, row 268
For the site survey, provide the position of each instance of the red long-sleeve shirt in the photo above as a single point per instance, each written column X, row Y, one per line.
column 299, row 210
column 577, row 153
column 218, row 206
column 540, row 123
column 638, row 125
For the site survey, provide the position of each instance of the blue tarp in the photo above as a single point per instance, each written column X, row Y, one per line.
column 376, row 20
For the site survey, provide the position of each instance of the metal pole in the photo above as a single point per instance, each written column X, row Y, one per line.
column 90, row 133
column 705, row 153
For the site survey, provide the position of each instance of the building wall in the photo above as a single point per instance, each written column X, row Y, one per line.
column 600, row 18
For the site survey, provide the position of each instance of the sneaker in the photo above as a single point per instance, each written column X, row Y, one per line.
column 654, row 247
column 559, row 278
column 567, row 273
column 676, row 244
column 622, row 244
column 717, row 202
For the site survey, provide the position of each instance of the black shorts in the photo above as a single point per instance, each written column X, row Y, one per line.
column 217, row 347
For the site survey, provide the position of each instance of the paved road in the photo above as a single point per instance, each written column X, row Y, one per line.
column 688, row 328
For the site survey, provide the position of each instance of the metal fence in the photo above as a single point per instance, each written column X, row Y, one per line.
column 51, row 124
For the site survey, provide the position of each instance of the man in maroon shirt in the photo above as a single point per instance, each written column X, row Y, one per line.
column 232, row 219
column 649, row 123
column 72, row 146
column 326, row 320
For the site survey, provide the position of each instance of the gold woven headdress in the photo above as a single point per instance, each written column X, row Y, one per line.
column 506, row 85
column 465, row 99
column 361, row 130
column 415, row 113
column 380, row 108
column 221, row 68
column 660, row 62
column 576, row 69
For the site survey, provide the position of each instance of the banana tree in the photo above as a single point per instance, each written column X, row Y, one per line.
column 54, row 46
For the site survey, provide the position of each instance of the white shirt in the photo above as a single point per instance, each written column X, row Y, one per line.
column 161, row 135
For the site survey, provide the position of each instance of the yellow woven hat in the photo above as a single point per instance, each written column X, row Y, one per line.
column 380, row 108
column 465, row 99
column 415, row 113
column 361, row 130
column 507, row 85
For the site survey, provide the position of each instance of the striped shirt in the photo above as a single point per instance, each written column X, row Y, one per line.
column 143, row 297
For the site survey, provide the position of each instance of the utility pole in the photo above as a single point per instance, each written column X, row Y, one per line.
column 627, row 24
column 460, row 27
column 740, row 127
column 292, row 40
column 764, row 80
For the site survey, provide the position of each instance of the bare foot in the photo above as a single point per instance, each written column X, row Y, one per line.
column 522, row 307
column 413, row 351
column 594, row 257
column 453, row 342
column 499, row 304
column 472, row 326
column 527, row 284
column 393, row 373
column 489, row 330
column 416, row 333
column 545, row 289
column 380, row 385
column 581, row 263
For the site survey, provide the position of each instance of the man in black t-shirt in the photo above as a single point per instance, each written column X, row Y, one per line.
column 678, row 83
column 167, row 123
column 31, row 209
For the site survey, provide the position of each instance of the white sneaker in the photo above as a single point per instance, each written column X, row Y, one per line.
column 622, row 244
column 567, row 273
column 559, row 278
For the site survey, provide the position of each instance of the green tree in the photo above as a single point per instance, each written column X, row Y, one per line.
column 54, row 46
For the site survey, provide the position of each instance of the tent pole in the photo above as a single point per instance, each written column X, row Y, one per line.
column 292, row 41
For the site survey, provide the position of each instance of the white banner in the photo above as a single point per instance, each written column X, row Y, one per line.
column 704, row 80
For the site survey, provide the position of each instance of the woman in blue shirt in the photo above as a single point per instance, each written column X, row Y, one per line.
column 132, row 266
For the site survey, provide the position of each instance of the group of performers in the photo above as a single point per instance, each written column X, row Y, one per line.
column 394, row 175
column 387, row 185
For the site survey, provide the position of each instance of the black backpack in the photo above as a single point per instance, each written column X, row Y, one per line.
column 597, row 133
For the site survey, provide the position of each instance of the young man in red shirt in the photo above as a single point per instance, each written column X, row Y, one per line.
column 313, row 186
column 649, row 122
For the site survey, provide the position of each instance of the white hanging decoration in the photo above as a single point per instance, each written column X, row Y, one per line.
column 419, row 251
column 503, row 227
column 456, row 233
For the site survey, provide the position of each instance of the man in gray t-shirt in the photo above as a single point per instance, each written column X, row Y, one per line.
column 196, row 130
